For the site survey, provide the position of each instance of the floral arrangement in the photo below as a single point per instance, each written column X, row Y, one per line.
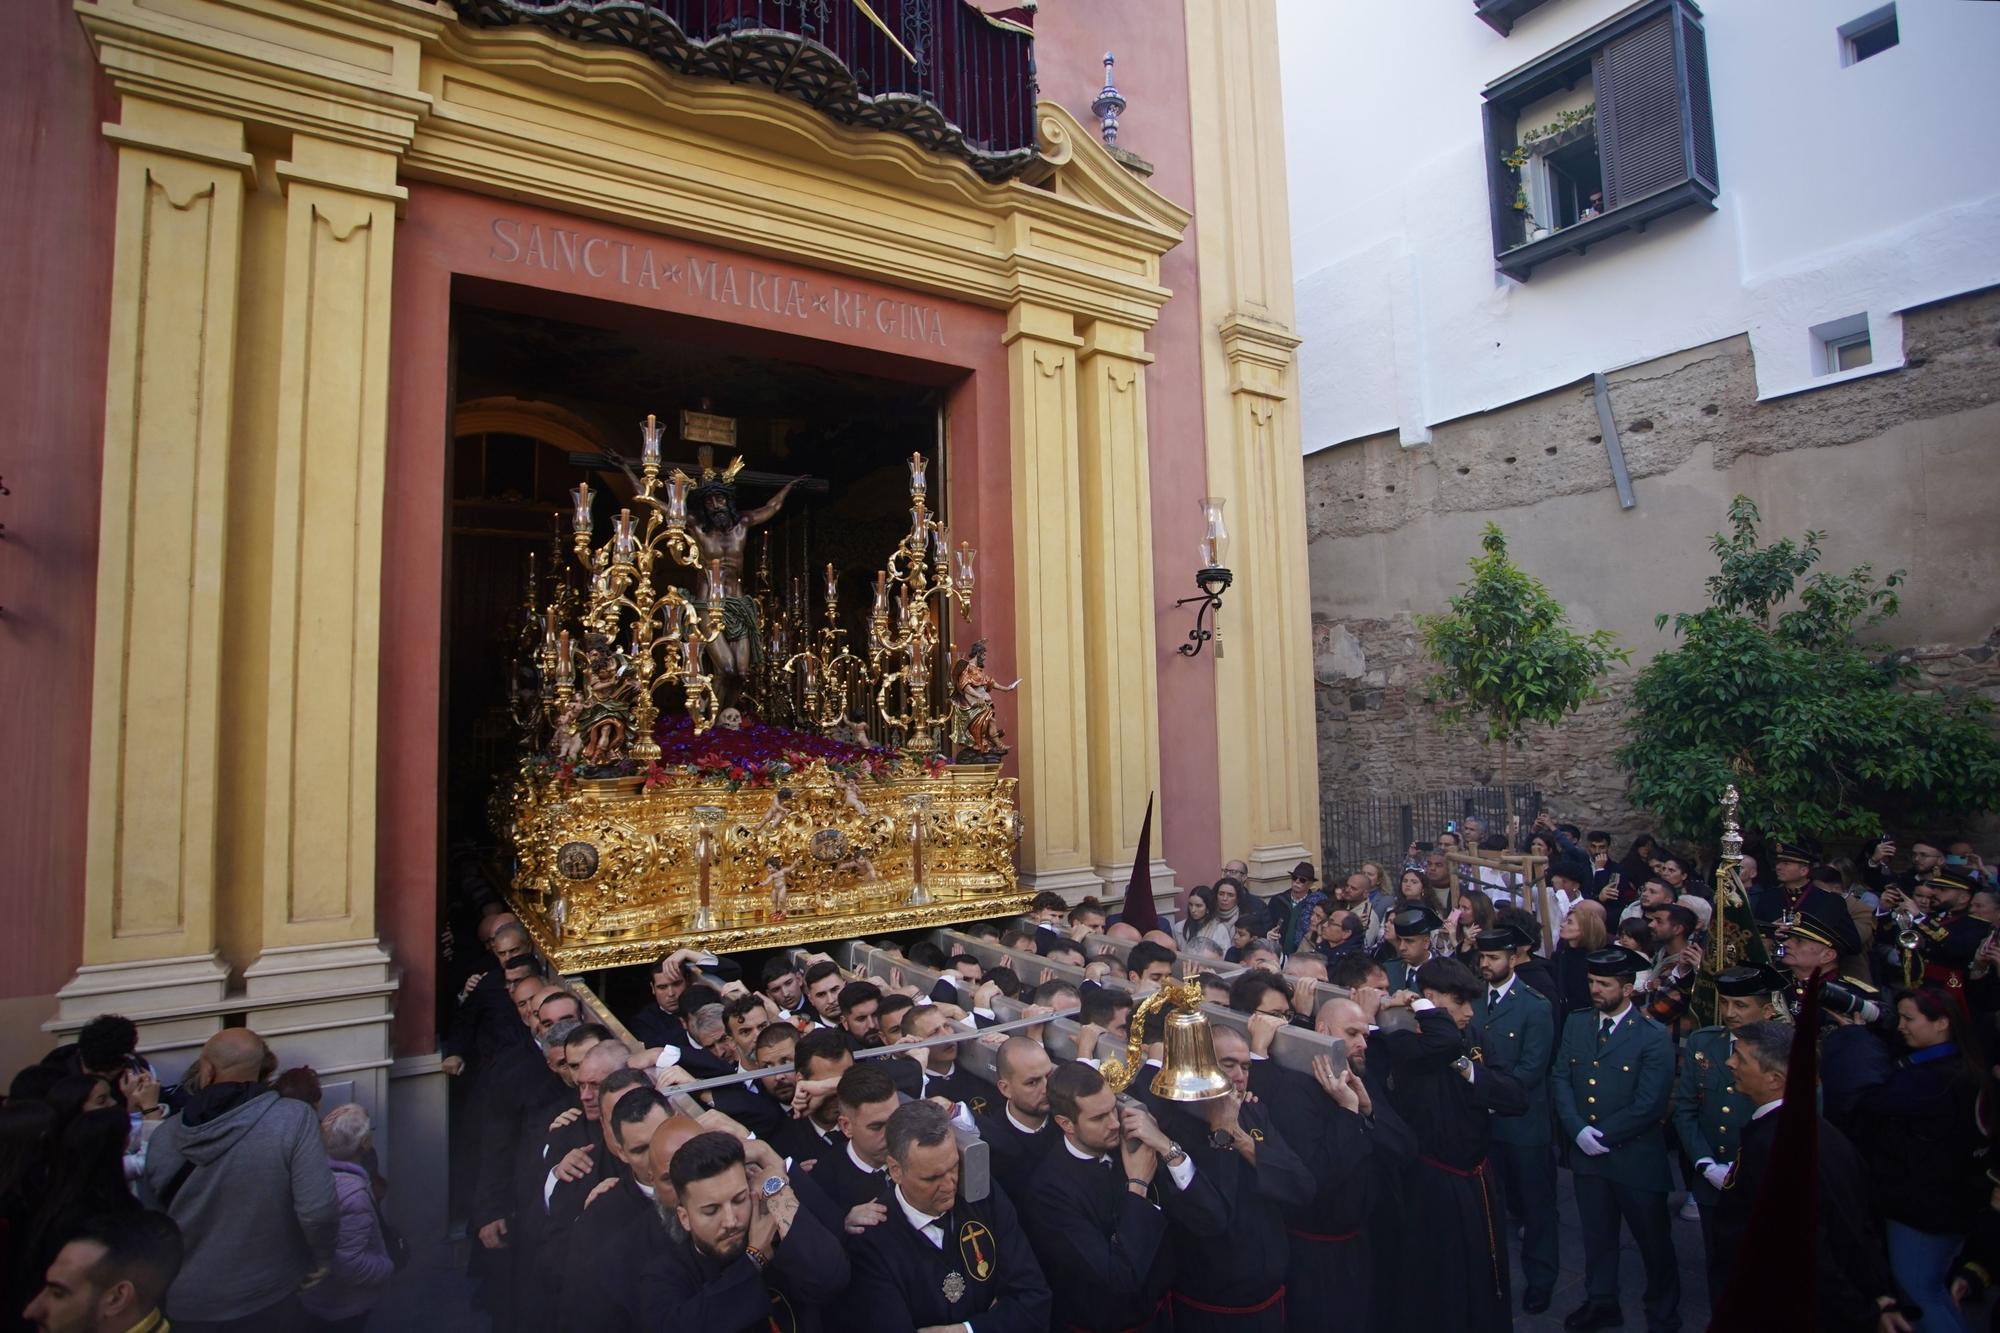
column 760, row 755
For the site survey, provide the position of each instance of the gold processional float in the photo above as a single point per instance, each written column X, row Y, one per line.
column 634, row 833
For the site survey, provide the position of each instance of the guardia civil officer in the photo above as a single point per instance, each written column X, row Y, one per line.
column 1613, row 1080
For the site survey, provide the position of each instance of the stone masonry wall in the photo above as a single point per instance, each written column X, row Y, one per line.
column 1902, row 468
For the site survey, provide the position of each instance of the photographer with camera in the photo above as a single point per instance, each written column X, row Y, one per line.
column 1814, row 945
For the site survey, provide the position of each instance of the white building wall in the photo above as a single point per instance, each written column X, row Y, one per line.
column 1873, row 187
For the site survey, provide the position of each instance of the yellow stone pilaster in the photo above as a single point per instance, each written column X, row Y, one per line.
column 1053, row 735
column 330, row 446
column 1121, row 681
column 1264, row 706
column 156, row 710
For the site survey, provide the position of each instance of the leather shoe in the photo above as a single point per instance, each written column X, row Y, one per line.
column 1592, row 1315
column 1535, row 1300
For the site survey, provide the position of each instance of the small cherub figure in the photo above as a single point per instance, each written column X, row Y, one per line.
column 850, row 792
column 857, row 863
column 774, row 880
column 780, row 807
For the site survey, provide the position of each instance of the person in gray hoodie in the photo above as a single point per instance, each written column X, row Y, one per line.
column 245, row 1175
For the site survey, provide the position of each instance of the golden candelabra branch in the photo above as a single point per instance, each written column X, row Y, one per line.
column 919, row 571
column 666, row 629
column 827, row 674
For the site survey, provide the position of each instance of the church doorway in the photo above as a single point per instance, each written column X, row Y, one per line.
column 545, row 400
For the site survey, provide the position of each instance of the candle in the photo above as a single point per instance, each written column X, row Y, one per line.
column 625, row 543
column 917, row 465
column 881, row 593
column 832, row 585
column 649, row 441
column 715, row 581
column 549, row 626
column 562, row 655
column 691, row 656
column 582, row 497
column 812, row 675
column 677, row 499
column 965, row 558
column 918, row 537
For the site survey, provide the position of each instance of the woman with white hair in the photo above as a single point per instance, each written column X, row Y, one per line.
column 361, row 1266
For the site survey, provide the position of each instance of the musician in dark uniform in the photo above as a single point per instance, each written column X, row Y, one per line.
column 1948, row 935
column 1448, row 1095
column 1814, row 942
column 1612, row 1082
column 1236, row 1280
column 1709, row 1113
column 747, row 1257
column 1412, row 926
column 1518, row 1035
column 1018, row 1130
column 1854, row 1291
column 1098, row 1208
column 941, row 1260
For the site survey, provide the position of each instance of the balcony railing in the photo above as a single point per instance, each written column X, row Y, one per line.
column 954, row 79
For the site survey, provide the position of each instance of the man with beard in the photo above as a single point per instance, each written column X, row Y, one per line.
column 1410, row 929
column 1098, row 1209
column 747, row 1257
column 1519, row 1038
column 1019, row 1132
column 1235, row 1280
column 1612, row 1084
column 1448, row 1096
column 942, row 1261
column 619, row 1233
column 722, row 535
column 763, row 1105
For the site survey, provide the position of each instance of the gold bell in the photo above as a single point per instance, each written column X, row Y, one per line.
column 1188, row 1072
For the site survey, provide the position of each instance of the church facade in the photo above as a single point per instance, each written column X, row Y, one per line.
column 242, row 230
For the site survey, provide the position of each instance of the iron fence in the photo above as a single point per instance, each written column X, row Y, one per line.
column 1381, row 828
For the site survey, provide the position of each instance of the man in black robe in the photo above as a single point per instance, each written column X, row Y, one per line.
column 1018, row 1131
column 1459, row 1278
column 763, row 1105
column 1355, row 1146
column 820, row 1057
column 619, row 1233
column 1097, row 1209
column 857, row 1175
column 747, row 1257
column 941, row 1260
column 663, row 1022
column 1853, row 1284
column 1236, row 1280
column 941, row 1073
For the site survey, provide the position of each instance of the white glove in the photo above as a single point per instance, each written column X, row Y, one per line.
column 1715, row 1173
column 1591, row 1141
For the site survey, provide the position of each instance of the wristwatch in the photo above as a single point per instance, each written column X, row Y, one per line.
column 1175, row 1154
column 773, row 1186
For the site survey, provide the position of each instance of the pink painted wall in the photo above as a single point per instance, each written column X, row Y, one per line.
column 1149, row 39
column 55, row 281
column 447, row 247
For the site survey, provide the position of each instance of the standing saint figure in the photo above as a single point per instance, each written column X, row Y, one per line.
column 722, row 534
column 975, row 729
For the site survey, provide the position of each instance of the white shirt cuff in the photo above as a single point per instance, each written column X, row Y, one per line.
column 1184, row 1173
column 1421, row 1006
column 669, row 1057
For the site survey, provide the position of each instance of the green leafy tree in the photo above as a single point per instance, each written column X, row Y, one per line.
column 1505, row 652
column 1787, row 704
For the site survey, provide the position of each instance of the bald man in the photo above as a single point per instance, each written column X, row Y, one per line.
column 478, row 1029
column 243, row 1173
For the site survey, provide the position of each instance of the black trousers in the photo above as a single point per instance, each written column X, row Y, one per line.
column 1528, row 1177
column 1601, row 1205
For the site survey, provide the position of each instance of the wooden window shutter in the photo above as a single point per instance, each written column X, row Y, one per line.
column 1642, row 140
column 1701, row 119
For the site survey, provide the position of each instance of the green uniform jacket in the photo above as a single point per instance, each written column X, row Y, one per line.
column 1709, row 1113
column 1518, row 1037
column 1621, row 1088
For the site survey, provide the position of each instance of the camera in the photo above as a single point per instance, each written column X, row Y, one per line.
column 1838, row 998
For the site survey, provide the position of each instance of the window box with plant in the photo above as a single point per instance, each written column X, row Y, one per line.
column 1564, row 176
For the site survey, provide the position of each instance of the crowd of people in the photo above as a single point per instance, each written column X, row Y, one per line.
column 225, row 1200
column 790, row 1146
